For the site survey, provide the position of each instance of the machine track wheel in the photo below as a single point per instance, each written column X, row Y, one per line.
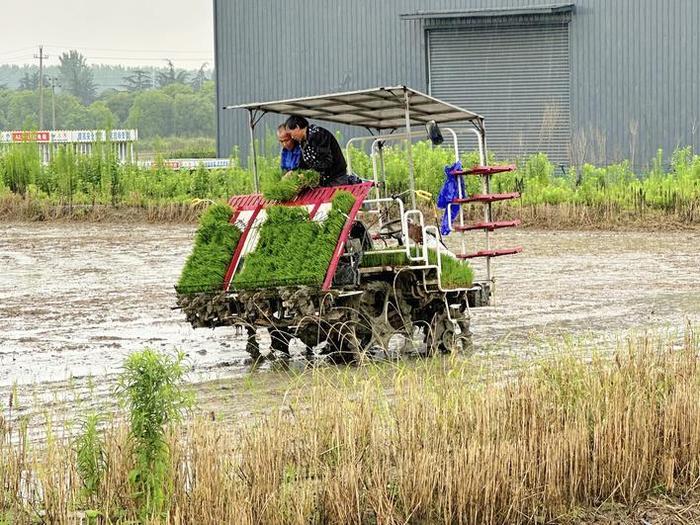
column 252, row 346
column 447, row 335
column 344, row 345
column 279, row 341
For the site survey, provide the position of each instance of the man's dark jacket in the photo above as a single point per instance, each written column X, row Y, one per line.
column 321, row 152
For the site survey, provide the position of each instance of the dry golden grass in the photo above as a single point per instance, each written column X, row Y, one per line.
column 546, row 216
column 571, row 216
column 18, row 209
column 438, row 441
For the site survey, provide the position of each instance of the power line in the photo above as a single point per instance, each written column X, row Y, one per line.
column 13, row 57
column 15, row 51
column 131, row 50
column 189, row 59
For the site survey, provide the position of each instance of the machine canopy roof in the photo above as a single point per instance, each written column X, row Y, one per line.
column 378, row 108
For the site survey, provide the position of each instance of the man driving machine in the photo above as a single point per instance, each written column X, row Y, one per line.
column 320, row 151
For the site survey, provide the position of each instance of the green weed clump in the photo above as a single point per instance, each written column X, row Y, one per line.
column 214, row 244
column 293, row 249
column 286, row 188
column 151, row 387
column 20, row 167
column 455, row 273
column 90, row 456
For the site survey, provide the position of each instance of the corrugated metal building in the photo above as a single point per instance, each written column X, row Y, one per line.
column 582, row 80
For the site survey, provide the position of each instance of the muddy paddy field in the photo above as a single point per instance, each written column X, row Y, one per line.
column 76, row 298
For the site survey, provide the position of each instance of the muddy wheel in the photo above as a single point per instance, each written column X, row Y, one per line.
column 440, row 335
column 279, row 341
column 252, row 346
column 343, row 343
column 308, row 335
column 464, row 339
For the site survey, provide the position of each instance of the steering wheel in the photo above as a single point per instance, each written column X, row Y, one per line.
column 392, row 229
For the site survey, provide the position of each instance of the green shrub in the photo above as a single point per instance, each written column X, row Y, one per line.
column 215, row 242
column 294, row 250
column 200, row 187
column 151, row 387
column 20, row 167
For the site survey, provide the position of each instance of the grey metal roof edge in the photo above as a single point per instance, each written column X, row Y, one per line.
column 257, row 105
column 489, row 12
column 266, row 106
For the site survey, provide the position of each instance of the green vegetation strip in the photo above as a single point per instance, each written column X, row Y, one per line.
column 293, row 249
column 455, row 273
column 286, row 188
column 589, row 194
column 214, row 244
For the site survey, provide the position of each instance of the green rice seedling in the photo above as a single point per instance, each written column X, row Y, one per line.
column 455, row 273
column 381, row 258
column 151, row 387
column 215, row 241
column 294, row 250
column 286, row 188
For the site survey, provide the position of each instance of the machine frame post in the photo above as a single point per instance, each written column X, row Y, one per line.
column 409, row 150
column 251, row 123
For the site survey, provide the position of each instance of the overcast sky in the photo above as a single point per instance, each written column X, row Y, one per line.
column 128, row 32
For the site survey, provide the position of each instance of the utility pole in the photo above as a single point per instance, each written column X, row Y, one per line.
column 54, row 80
column 41, row 58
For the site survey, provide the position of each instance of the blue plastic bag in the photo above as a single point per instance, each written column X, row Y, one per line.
column 449, row 192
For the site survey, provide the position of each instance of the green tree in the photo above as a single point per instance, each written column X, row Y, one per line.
column 76, row 76
column 172, row 76
column 152, row 114
column 100, row 116
column 139, row 80
column 194, row 116
column 199, row 78
column 4, row 103
column 23, row 110
column 208, row 92
column 30, row 81
column 119, row 104
column 177, row 89
column 70, row 113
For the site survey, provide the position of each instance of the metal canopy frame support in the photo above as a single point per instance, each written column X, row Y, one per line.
column 409, row 149
column 253, row 119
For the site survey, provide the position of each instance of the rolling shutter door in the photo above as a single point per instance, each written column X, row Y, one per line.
column 516, row 77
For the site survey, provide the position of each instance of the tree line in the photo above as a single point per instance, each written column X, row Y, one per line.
column 169, row 102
